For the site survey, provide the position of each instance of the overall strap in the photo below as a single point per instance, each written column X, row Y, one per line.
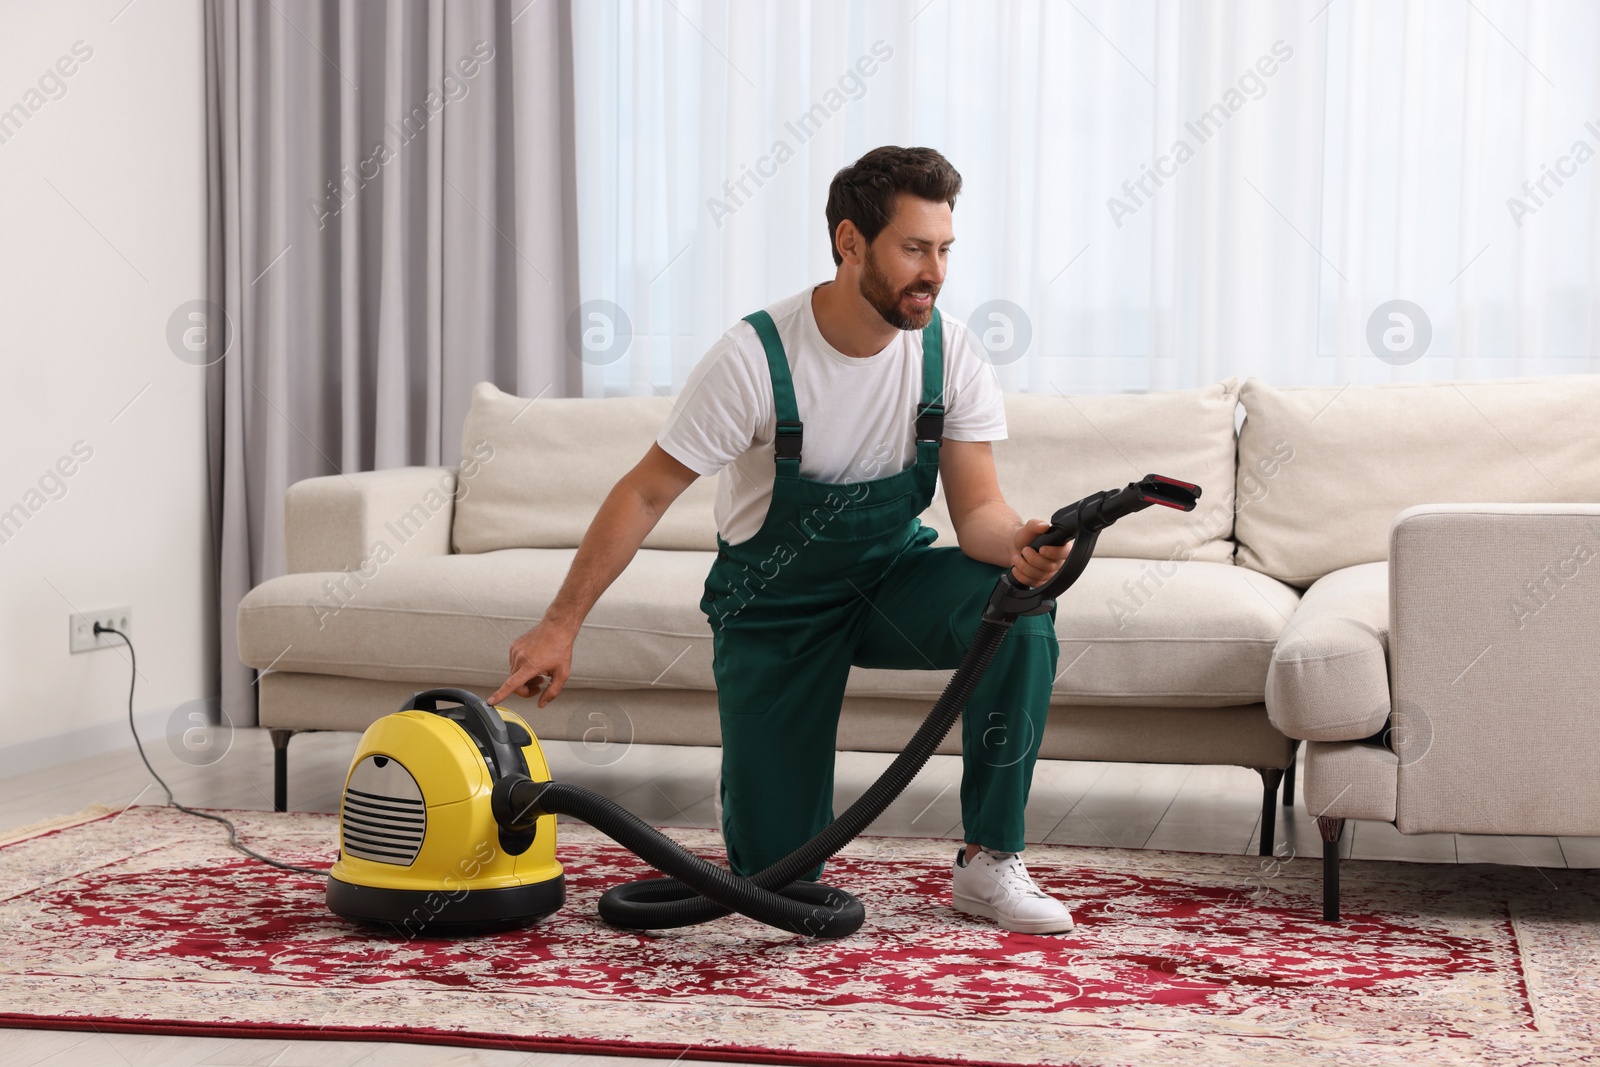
column 930, row 412
column 786, row 445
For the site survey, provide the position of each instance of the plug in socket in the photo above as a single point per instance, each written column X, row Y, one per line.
column 81, row 635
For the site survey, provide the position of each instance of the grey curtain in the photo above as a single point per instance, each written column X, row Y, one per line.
column 390, row 206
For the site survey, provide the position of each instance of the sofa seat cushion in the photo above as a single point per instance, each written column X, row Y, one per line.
column 1165, row 633
column 1133, row 632
column 456, row 616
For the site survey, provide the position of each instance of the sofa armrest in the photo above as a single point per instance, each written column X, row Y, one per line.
column 1494, row 612
column 353, row 521
column 1329, row 676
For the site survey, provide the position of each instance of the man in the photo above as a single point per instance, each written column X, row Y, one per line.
column 832, row 412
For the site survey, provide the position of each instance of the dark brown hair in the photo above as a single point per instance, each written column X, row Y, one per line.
column 864, row 192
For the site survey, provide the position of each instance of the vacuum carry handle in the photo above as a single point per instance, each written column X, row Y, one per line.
column 490, row 727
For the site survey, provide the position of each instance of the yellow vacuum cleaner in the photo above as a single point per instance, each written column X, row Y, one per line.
column 448, row 824
column 420, row 850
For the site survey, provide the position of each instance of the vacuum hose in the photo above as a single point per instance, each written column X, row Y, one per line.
column 698, row 890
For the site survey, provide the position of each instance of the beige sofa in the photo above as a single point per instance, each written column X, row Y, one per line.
column 1185, row 640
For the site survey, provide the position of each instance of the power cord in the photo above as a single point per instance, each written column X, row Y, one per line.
column 233, row 832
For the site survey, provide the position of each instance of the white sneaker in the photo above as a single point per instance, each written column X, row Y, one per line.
column 997, row 886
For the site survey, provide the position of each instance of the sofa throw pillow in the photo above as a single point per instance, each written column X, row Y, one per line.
column 1347, row 459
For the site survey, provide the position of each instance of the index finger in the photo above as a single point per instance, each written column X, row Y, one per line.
column 519, row 677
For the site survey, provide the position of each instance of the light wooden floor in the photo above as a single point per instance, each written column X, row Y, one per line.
column 1202, row 809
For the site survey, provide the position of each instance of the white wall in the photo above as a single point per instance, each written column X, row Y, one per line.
column 101, row 237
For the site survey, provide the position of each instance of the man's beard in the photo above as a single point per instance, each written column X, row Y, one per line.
column 875, row 289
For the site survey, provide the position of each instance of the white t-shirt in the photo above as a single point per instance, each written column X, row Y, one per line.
column 858, row 412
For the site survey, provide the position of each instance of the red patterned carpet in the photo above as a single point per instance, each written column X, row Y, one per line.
column 145, row 921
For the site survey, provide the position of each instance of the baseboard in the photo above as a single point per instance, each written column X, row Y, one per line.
column 20, row 757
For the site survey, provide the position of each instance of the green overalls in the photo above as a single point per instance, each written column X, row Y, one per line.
column 843, row 574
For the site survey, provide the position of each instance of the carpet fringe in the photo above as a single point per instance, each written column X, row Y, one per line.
column 57, row 822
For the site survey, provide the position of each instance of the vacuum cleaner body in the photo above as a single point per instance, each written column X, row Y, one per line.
column 420, row 849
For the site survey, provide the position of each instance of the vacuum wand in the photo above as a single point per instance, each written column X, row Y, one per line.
column 697, row 891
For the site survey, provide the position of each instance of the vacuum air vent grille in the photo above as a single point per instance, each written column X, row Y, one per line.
column 383, row 818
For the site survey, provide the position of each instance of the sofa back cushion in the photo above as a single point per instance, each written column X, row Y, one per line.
column 1335, row 465
column 1059, row 449
column 554, row 462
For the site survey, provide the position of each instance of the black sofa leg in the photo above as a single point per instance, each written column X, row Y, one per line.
column 1288, row 775
column 1270, row 778
column 280, row 768
column 1331, row 830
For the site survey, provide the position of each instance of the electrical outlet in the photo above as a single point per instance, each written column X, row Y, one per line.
column 82, row 637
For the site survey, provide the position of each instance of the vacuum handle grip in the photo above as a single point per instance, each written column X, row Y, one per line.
column 1056, row 535
column 428, row 700
column 1081, row 522
column 487, row 725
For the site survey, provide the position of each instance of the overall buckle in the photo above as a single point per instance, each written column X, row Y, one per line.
column 786, row 444
column 930, row 422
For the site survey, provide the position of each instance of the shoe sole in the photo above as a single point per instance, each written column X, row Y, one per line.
column 1038, row 926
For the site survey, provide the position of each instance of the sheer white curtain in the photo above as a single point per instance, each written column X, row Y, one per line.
column 1161, row 194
